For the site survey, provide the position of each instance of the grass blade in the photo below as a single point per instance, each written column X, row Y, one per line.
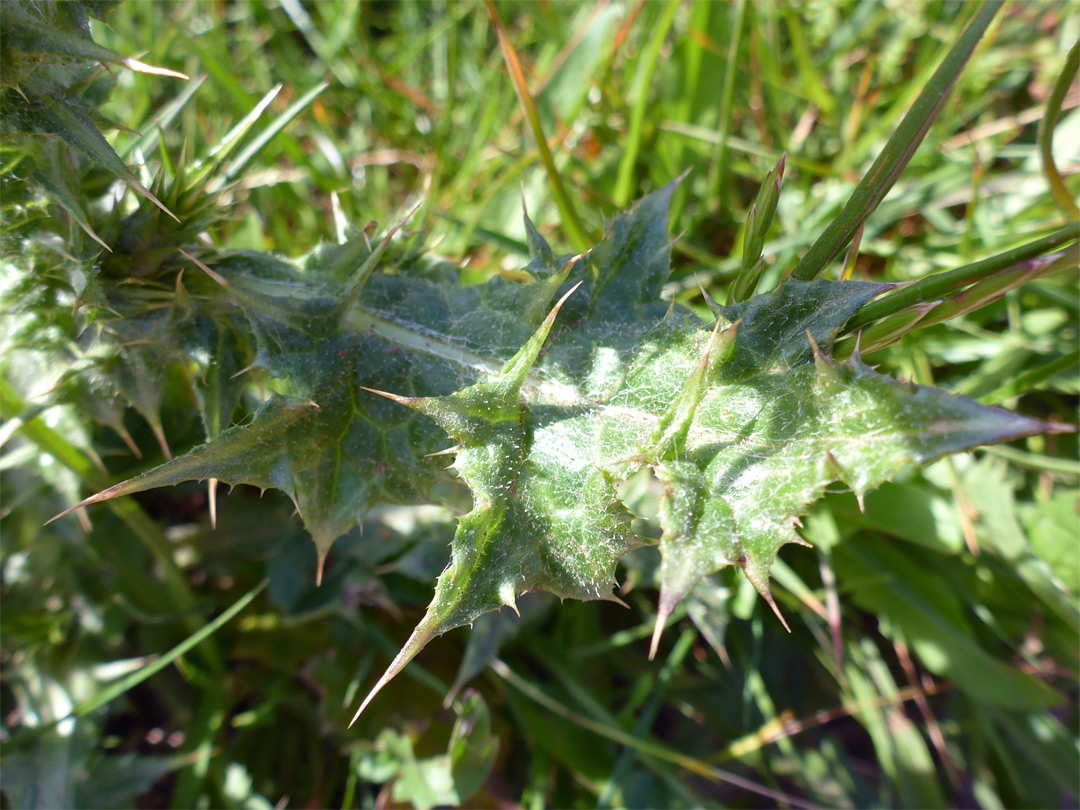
column 152, row 130
column 127, row 509
column 134, row 679
column 648, row 714
column 696, row 766
column 278, row 124
column 696, row 133
column 898, row 151
column 624, row 184
column 718, row 170
column 1031, row 378
column 228, row 142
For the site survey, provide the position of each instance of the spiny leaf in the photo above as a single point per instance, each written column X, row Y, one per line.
column 74, row 127
column 56, row 181
column 539, row 250
column 48, row 75
column 50, row 36
column 566, row 540
column 743, row 423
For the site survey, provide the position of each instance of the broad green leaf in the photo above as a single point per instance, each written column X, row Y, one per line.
column 1051, row 530
column 997, row 527
column 899, row 746
column 926, row 609
column 742, row 422
column 1045, row 753
column 447, row 779
column 472, row 747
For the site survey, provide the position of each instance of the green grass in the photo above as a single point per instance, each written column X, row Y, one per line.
column 933, row 658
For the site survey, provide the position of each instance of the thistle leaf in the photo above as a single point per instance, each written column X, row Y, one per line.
column 49, row 62
column 41, row 36
column 566, row 539
column 743, row 422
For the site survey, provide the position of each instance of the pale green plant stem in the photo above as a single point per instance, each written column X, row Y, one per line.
column 1035, row 461
column 621, row 638
column 786, row 726
column 991, row 289
column 1062, row 196
column 738, row 144
column 202, row 168
column 898, row 151
column 348, row 799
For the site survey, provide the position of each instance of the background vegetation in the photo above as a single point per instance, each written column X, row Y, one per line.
column 933, row 653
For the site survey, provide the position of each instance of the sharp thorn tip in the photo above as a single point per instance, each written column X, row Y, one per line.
column 658, row 631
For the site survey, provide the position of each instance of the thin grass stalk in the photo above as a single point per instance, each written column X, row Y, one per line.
column 696, row 766
column 1036, row 461
column 1032, row 377
column 134, row 679
column 648, row 714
